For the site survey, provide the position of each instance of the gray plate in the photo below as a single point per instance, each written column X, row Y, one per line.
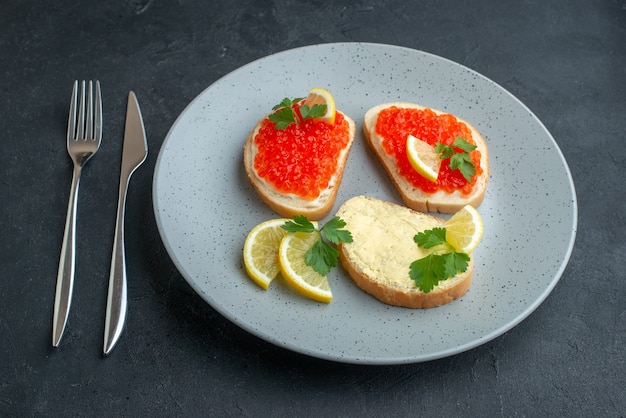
column 205, row 207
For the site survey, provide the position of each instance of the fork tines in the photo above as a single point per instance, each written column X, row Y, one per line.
column 86, row 126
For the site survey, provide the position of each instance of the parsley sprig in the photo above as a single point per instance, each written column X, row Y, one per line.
column 322, row 256
column 441, row 264
column 459, row 160
column 285, row 114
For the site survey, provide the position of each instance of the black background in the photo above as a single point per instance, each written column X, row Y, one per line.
column 566, row 60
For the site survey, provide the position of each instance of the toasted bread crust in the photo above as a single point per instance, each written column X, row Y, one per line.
column 413, row 197
column 289, row 205
column 402, row 297
column 377, row 280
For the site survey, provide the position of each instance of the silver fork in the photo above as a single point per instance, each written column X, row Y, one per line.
column 84, row 134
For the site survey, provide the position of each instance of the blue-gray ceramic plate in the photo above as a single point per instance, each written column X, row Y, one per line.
column 205, row 207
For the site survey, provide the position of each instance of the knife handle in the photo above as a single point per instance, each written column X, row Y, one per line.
column 117, row 294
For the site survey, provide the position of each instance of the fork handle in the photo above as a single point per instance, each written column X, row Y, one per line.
column 65, row 275
column 117, row 294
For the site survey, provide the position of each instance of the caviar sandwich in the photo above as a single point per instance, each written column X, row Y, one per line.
column 295, row 156
column 438, row 162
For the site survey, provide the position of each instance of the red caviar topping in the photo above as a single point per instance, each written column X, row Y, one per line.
column 395, row 124
column 302, row 158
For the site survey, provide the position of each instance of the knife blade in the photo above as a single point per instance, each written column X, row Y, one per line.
column 134, row 153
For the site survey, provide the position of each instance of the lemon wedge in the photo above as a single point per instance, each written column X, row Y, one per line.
column 464, row 229
column 320, row 96
column 423, row 158
column 301, row 277
column 260, row 251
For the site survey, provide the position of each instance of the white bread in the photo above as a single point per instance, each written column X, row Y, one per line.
column 412, row 196
column 379, row 258
column 288, row 205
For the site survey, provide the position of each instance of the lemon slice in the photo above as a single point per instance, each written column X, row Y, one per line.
column 293, row 268
column 423, row 158
column 260, row 251
column 320, row 96
column 464, row 229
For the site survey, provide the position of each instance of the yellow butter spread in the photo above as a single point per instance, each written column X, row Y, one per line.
column 383, row 244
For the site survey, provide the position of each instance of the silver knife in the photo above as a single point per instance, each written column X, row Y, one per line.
column 134, row 154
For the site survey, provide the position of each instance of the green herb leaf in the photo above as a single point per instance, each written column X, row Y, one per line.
column 427, row 271
column 445, row 151
column 315, row 111
column 300, row 223
column 322, row 256
column 285, row 114
column 287, row 102
column 333, row 232
column 431, row 238
column 441, row 264
column 463, row 162
column 463, row 144
column 283, row 118
column 459, row 160
column 454, row 263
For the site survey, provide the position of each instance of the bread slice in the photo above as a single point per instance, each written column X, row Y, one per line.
column 412, row 196
column 379, row 258
column 287, row 204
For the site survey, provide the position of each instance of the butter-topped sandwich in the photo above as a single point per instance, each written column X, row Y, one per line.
column 407, row 258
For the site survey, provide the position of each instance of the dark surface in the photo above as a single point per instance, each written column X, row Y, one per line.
column 566, row 60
